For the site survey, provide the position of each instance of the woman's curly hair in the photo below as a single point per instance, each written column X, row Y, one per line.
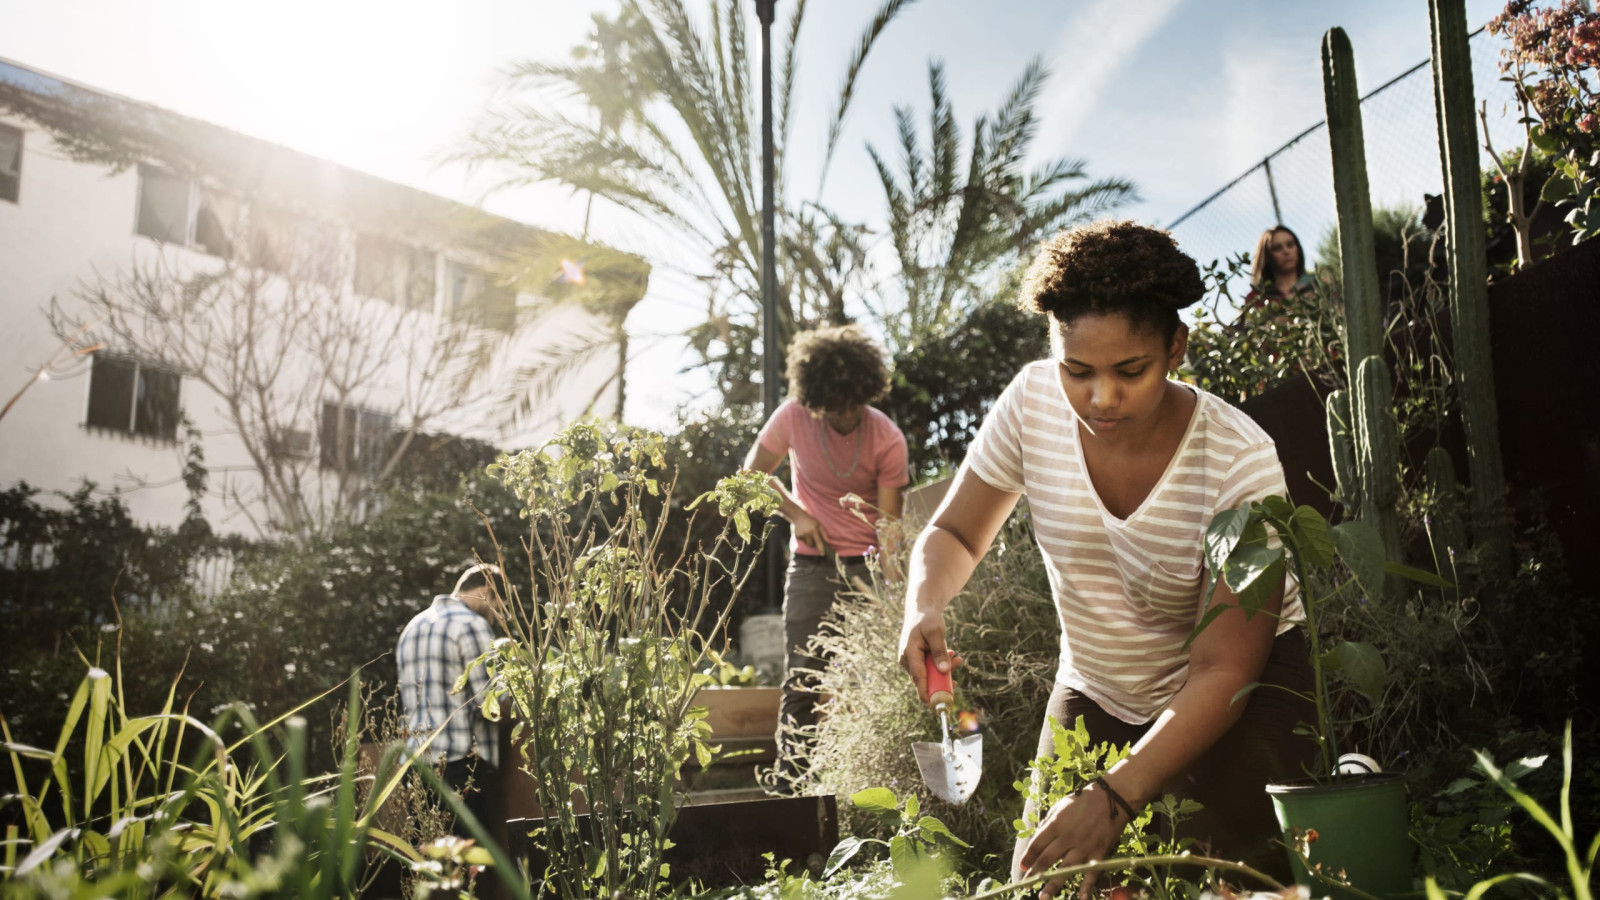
column 836, row 368
column 1113, row 267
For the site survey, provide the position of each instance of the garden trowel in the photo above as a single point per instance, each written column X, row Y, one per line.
column 950, row 767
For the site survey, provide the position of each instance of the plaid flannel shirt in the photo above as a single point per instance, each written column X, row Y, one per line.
column 433, row 651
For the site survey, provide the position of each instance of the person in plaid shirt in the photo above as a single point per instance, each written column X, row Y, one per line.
column 434, row 649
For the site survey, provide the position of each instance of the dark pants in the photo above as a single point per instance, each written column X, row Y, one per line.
column 812, row 587
column 477, row 784
column 1230, row 779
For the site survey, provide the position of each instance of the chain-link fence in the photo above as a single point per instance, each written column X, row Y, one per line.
column 1293, row 185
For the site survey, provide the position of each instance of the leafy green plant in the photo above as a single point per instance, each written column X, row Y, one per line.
column 1074, row 763
column 608, row 632
column 917, row 837
column 1553, row 58
column 161, row 806
column 722, row 672
column 945, row 381
column 1254, row 547
column 1238, row 350
column 1004, row 623
column 1578, row 860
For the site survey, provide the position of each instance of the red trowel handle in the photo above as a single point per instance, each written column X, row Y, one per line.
column 940, row 690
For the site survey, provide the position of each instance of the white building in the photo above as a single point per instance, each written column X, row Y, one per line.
column 101, row 195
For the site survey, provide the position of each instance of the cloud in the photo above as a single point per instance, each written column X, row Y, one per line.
column 1094, row 45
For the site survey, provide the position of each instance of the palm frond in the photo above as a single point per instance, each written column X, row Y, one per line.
column 784, row 89
column 1014, row 123
column 880, row 21
column 944, row 138
column 910, row 153
column 534, row 385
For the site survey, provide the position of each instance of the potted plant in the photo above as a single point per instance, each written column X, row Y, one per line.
column 1340, row 819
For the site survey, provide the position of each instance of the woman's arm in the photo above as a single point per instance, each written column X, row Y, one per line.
column 941, row 562
column 806, row 527
column 1228, row 655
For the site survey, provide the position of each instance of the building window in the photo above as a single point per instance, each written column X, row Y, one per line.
column 394, row 272
column 173, row 210
column 133, row 398
column 163, row 206
column 10, row 162
column 470, row 289
column 354, row 439
column 294, row 247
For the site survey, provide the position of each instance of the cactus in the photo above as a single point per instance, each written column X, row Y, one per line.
column 1342, row 447
column 1469, row 295
column 1377, row 455
column 1358, row 263
column 1377, row 441
column 1446, row 531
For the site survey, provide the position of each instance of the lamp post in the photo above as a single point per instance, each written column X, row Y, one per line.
column 766, row 10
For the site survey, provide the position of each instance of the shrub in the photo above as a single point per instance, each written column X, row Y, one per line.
column 1004, row 624
column 943, row 387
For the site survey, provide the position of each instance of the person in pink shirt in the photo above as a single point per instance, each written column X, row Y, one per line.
column 839, row 448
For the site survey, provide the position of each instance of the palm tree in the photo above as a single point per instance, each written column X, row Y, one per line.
column 952, row 231
column 677, row 142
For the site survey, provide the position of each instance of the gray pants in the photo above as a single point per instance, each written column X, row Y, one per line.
column 810, row 591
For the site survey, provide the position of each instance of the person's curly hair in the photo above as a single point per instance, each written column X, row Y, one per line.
column 1113, row 267
column 836, row 368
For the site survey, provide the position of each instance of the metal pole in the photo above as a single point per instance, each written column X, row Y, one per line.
column 1277, row 214
column 766, row 10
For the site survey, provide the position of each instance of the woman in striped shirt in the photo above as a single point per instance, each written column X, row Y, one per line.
column 1123, row 469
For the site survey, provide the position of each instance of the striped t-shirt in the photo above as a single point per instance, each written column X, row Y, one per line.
column 1128, row 591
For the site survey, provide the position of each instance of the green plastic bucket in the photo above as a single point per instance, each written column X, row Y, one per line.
column 1361, row 830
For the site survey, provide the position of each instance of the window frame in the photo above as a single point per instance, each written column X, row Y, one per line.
column 401, row 269
column 136, row 389
column 198, row 197
column 358, row 419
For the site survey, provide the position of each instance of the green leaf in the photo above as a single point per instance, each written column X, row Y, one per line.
column 1543, row 139
column 1223, row 535
column 843, row 852
column 1523, row 766
column 876, row 799
column 1363, row 665
column 1248, row 564
column 1420, row 576
column 1243, row 691
column 1277, row 508
column 933, row 826
column 902, row 853
column 912, row 807
column 1260, row 590
column 1361, row 548
column 1309, row 531
column 1558, row 189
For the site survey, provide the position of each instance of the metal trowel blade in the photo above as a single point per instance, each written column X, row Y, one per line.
column 951, row 772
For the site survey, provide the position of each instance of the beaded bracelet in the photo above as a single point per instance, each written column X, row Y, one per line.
column 1114, row 800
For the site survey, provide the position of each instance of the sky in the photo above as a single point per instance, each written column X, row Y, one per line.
column 1179, row 96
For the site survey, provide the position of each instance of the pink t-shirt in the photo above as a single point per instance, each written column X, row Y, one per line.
column 828, row 465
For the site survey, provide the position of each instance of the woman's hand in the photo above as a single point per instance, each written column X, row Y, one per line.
column 921, row 643
column 807, row 530
column 1080, row 828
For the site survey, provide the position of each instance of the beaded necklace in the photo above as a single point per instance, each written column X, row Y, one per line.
column 822, row 426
